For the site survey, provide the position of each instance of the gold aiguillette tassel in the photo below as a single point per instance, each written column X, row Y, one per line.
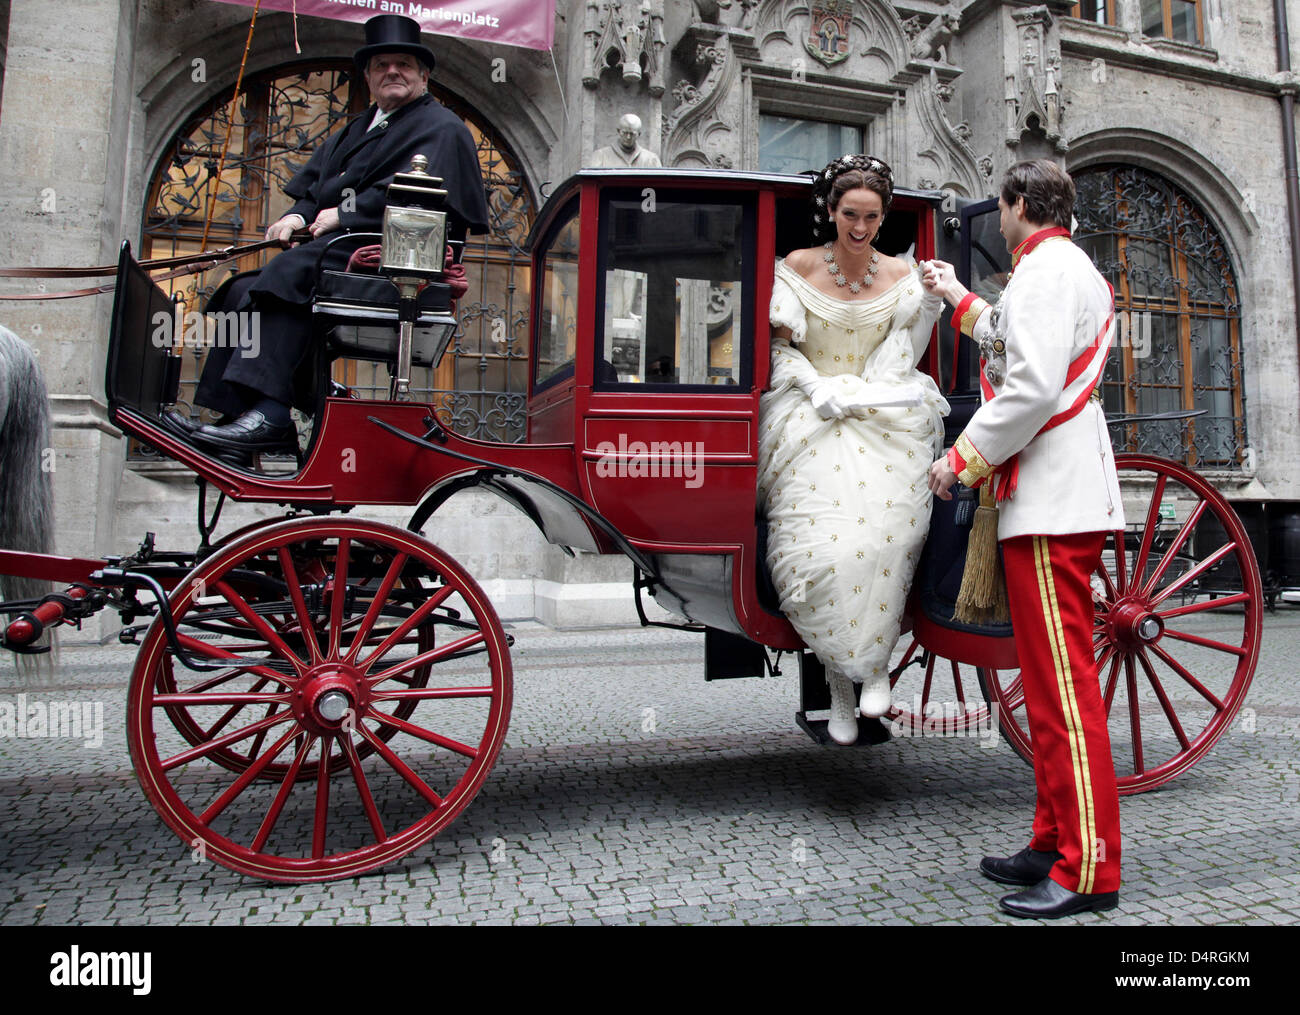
column 983, row 595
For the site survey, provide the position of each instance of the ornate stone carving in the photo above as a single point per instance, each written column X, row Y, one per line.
column 927, row 42
column 695, row 131
column 1033, row 102
column 685, row 94
column 838, row 35
column 747, row 8
column 627, row 32
column 948, row 147
column 627, row 153
column 707, row 10
column 828, row 30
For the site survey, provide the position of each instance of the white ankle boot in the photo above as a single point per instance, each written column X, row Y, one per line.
column 843, row 726
column 875, row 700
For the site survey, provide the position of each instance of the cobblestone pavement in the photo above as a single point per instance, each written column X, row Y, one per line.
column 713, row 808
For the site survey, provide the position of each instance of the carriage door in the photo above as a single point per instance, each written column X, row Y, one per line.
column 672, row 404
column 979, row 252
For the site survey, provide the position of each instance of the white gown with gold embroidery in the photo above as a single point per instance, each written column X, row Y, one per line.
column 848, row 430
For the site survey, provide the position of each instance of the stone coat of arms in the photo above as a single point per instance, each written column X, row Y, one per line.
column 828, row 30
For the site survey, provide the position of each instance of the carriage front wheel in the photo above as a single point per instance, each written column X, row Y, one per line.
column 377, row 733
column 1178, row 621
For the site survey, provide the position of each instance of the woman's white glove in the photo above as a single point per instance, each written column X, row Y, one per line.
column 849, row 395
column 826, row 399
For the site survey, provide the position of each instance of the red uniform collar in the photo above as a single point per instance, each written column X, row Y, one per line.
column 1043, row 234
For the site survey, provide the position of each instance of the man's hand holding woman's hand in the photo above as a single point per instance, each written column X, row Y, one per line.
column 942, row 478
column 940, row 278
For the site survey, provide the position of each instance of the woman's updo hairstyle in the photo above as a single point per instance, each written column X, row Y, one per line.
column 850, row 172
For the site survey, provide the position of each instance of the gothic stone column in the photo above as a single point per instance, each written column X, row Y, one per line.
column 64, row 128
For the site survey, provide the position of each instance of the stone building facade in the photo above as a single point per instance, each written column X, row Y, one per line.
column 1174, row 106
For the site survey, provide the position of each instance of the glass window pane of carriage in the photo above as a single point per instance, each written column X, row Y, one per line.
column 990, row 268
column 990, row 264
column 674, row 299
column 787, row 144
column 557, row 326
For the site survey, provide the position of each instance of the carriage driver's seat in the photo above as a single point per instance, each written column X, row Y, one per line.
column 355, row 311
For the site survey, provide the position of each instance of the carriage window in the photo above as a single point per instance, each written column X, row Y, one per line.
column 674, row 303
column 985, row 268
column 557, row 319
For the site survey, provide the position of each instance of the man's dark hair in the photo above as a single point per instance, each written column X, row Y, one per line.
column 1046, row 187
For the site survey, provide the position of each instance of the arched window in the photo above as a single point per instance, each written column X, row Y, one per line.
column 1180, row 318
column 480, row 387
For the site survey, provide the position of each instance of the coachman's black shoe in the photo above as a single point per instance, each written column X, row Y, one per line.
column 1028, row 867
column 1049, row 901
column 249, row 433
column 178, row 424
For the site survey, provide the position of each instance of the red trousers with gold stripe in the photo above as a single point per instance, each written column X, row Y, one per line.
column 1077, row 814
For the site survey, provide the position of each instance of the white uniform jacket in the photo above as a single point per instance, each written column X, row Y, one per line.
column 1047, row 317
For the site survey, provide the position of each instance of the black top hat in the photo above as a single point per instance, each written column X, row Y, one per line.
column 393, row 33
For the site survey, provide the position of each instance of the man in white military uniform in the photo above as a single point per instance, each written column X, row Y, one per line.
column 1040, row 438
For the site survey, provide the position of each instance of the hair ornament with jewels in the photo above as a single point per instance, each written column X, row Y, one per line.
column 874, row 174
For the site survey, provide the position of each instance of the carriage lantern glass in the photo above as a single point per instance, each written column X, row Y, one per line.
column 415, row 226
column 413, row 254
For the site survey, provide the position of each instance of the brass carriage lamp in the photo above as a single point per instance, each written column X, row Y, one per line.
column 414, row 252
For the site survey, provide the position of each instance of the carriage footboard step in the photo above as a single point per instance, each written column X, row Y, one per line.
column 815, row 696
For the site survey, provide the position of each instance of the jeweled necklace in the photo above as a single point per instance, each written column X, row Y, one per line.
column 840, row 278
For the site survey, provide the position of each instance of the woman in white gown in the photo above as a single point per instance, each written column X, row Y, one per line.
column 849, row 428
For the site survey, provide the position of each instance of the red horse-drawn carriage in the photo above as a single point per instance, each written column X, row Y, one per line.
column 317, row 696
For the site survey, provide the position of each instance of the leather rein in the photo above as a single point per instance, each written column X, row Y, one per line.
column 188, row 264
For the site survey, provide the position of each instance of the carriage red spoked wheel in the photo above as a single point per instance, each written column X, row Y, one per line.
column 935, row 696
column 312, row 691
column 1179, row 616
column 212, row 618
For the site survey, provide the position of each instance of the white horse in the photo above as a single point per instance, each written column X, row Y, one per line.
column 26, row 491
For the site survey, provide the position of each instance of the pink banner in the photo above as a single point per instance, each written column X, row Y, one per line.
column 529, row 23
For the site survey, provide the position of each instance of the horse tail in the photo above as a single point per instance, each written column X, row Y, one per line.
column 26, row 488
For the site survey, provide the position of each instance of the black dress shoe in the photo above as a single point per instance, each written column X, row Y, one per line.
column 1028, row 867
column 178, row 424
column 1049, row 901
column 250, row 432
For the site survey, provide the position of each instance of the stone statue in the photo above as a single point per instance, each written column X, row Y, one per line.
column 628, row 153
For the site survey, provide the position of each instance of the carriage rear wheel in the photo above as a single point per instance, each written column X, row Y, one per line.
column 1171, row 692
column 935, row 696
column 325, row 747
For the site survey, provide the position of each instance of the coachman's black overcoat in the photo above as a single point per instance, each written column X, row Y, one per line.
column 351, row 171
